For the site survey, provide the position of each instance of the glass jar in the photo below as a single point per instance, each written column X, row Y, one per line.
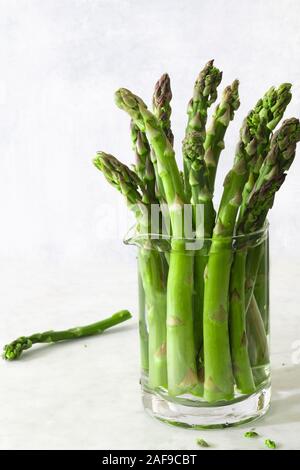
column 204, row 328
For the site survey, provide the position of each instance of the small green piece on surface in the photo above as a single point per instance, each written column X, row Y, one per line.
column 202, row 443
column 251, row 434
column 14, row 350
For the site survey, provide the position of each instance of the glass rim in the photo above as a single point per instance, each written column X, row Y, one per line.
column 133, row 237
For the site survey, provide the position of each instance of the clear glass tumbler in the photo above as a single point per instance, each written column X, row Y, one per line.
column 204, row 328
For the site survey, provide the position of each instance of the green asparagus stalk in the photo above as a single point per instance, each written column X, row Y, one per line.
column 143, row 164
column 197, row 179
column 143, row 330
column 214, row 141
column 146, row 161
column 150, row 264
column 254, row 135
column 258, row 343
column 162, row 110
column 205, row 94
column 182, row 374
column 233, row 347
column 218, row 367
column 151, row 268
column 271, row 177
column 213, row 145
column 126, row 182
column 166, row 163
column 272, row 106
column 14, row 349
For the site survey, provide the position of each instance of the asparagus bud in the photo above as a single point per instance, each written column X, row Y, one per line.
column 214, row 141
column 205, row 93
column 272, row 175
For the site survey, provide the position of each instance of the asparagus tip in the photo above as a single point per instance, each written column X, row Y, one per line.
column 14, row 349
column 251, row 434
column 162, row 91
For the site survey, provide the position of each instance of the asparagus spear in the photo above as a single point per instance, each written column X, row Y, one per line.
column 272, row 174
column 218, row 367
column 270, row 444
column 254, row 135
column 239, row 345
column 146, row 165
column 14, row 349
column 261, row 291
column 213, row 145
column 197, row 180
column 162, row 110
column 125, row 181
column 182, row 376
column 205, row 94
column 258, row 342
column 272, row 106
column 143, row 164
column 166, row 163
column 143, row 330
column 161, row 105
column 214, row 141
column 202, row 443
column 271, row 177
column 150, row 264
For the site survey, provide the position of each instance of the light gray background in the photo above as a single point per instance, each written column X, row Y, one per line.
column 60, row 262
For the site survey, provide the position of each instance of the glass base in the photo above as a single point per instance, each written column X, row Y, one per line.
column 196, row 414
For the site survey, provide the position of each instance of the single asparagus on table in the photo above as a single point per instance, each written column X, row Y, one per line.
column 14, row 349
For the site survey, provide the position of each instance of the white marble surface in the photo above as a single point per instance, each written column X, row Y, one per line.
column 63, row 60
column 85, row 394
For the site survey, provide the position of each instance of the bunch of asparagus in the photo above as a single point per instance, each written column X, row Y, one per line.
column 204, row 328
